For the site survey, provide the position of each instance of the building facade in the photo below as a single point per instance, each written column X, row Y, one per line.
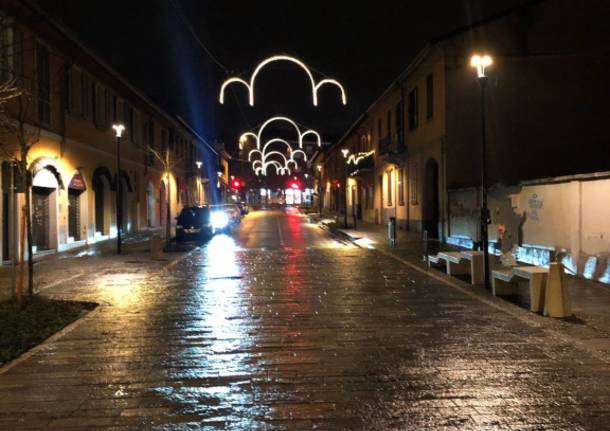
column 65, row 116
column 545, row 123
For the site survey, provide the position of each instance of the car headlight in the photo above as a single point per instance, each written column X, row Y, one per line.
column 178, row 226
column 219, row 220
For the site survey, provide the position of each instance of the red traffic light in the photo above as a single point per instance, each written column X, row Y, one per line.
column 237, row 184
column 295, row 185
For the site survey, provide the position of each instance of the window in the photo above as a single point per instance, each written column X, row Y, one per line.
column 68, row 96
column 43, row 60
column 399, row 125
column 413, row 183
column 134, row 125
column 84, row 95
column 115, row 108
column 389, row 121
column 6, row 55
column 107, row 108
column 128, row 120
column 94, row 110
column 401, row 187
column 429, row 96
column 413, row 113
column 18, row 52
column 371, row 197
column 390, row 180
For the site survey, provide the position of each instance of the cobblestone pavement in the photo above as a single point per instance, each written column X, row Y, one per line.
column 279, row 326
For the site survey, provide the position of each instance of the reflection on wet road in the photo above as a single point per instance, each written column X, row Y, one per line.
column 278, row 326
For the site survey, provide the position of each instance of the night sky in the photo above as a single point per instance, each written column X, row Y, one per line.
column 153, row 44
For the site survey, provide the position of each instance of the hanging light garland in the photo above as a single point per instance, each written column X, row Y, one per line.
column 315, row 86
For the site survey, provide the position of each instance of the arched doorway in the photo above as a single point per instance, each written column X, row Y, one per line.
column 162, row 204
column 102, row 184
column 45, row 185
column 151, row 203
column 76, row 188
column 430, row 204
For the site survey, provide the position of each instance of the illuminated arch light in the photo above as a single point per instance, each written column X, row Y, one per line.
column 261, row 159
column 357, row 158
column 264, row 160
column 250, row 86
column 258, row 136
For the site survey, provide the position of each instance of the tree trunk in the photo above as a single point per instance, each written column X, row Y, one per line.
column 28, row 226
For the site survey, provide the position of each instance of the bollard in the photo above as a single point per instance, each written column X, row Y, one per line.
column 155, row 246
column 557, row 297
column 425, row 249
column 392, row 231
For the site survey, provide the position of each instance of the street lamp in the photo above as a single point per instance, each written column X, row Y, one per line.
column 345, row 152
column 319, row 169
column 118, row 128
column 480, row 63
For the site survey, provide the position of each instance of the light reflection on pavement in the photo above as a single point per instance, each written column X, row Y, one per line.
column 279, row 326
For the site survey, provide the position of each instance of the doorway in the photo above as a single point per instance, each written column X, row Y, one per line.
column 431, row 205
column 40, row 217
column 74, row 214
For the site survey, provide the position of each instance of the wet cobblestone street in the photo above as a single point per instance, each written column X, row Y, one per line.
column 279, row 326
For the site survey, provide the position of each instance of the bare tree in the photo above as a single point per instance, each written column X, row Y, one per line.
column 16, row 123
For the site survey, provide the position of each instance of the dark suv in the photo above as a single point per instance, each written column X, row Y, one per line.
column 194, row 223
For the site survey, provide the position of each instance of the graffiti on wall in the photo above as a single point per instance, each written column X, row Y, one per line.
column 535, row 204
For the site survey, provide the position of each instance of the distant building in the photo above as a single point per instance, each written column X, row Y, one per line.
column 73, row 99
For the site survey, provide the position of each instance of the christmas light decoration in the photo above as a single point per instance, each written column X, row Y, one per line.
column 315, row 86
column 301, row 135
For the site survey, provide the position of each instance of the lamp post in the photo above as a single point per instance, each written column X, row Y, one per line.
column 345, row 152
column 319, row 169
column 198, row 164
column 118, row 128
column 480, row 63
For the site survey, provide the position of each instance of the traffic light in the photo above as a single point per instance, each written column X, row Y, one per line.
column 294, row 185
column 236, row 184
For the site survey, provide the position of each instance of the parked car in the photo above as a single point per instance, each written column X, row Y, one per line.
column 194, row 223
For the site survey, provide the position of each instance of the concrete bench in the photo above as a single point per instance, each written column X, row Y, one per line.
column 477, row 263
column 455, row 264
column 459, row 263
column 505, row 282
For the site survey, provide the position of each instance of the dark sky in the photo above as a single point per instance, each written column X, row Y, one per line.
column 364, row 47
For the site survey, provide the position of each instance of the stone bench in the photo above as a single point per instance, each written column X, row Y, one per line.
column 505, row 282
column 459, row 263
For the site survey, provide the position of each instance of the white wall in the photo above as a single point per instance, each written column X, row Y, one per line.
column 571, row 216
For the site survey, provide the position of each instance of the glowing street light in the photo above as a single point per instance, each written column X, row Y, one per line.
column 198, row 163
column 315, row 86
column 480, row 63
column 118, row 130
column 345, row 152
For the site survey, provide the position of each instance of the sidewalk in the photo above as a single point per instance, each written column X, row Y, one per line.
column 589, row 327
column 90, row 261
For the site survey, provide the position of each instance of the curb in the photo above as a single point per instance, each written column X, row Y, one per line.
column 65, row 330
